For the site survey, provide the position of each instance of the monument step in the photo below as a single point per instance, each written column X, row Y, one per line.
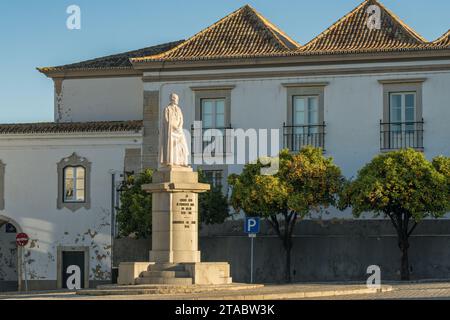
column 159, row 280
column 150, row 289
column 166, row 267
column 165, row 274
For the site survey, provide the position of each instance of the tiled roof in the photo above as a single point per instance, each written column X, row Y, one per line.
column 247, row 34
column 71, row 127
column 444, row 40
column 351, row 33
column 117, row 61
column 243, row 33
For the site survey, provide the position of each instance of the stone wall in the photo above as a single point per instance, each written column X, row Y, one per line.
column 131, row 250
column 334, row 250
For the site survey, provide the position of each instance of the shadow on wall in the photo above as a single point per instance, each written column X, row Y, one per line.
column 334, row 250
column 8, row 257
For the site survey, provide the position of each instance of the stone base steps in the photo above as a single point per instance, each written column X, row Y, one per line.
column 165, row 273
column 154, row 289
column 166, row 267
column 163, row 280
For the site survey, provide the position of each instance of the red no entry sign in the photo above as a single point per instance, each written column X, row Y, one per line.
column 22, row 239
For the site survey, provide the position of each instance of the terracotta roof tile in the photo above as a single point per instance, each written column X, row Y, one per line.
column 243, row 33
column 351, row 33
column 116, row 61
column 247, row 34
column 71, row 127
column 444, row 40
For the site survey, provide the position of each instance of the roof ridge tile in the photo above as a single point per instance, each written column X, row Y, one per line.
column 243, row 26
column 351, row 32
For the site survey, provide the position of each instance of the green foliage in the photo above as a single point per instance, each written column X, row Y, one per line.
column 401, row 181
column 315, row 181
column 442, row 165
column 134, row 214
column 305, row 181
column 256, row 194
column 404, row 186
column 213, row 204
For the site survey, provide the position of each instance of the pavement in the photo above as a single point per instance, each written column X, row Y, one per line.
column 266, row 292
column 404, row 291
column 319, row 291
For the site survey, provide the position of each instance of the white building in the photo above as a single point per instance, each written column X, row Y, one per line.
column 359, row 88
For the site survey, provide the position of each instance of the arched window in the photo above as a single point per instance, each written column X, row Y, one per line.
column 74, row 184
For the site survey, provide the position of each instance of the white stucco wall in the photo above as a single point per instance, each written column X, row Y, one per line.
column 101, row 99
column 31, row 190
column 353, row 109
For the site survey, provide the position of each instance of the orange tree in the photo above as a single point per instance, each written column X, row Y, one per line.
column 404, row 186
column 305, row 183
column 134, row 215
column 134, row 212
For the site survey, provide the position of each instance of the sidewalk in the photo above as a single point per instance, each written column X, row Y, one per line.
column 268, row 292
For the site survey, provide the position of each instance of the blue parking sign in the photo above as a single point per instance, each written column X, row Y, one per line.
column 251, row 225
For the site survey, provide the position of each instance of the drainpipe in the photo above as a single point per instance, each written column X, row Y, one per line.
column 113, row 214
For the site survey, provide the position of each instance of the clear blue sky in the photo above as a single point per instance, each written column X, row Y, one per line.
column 34, row 33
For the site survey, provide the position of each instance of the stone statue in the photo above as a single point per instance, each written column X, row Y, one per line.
column 173, row 149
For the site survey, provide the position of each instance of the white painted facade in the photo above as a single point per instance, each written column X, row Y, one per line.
column 104, row 99
column 31, row 190
column 353, row 108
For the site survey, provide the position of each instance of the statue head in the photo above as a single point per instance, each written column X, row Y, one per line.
column 174, row 99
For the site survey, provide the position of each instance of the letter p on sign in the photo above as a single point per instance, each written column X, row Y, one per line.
column 251, row 225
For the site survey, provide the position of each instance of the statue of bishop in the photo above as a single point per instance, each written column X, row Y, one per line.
column 173, row 149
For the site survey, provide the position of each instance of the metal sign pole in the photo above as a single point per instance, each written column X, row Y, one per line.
column 251, row 227
column 25, row 270
column 251, row 261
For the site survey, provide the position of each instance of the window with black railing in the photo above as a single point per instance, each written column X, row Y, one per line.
column 299, row 136
column 401, row 135
column 212, row 140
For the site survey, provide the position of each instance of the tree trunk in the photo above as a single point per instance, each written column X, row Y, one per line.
column 404, row 246
column 286, row 237
column 287, row 275
column 401, row 222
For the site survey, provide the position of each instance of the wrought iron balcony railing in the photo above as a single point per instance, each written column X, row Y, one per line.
column 217, row 139
column 401, row 135
column 297, row 137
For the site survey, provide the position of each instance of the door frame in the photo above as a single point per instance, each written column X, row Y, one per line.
column 59, row 263
column 19, row 251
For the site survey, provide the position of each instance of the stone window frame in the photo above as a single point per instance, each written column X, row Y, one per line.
column 74, row 161
column 402, row 85
column 405, row 85
column 59, row 264
column 305, row 89
column 2, row 185
column 217, row 167
column 213, row 93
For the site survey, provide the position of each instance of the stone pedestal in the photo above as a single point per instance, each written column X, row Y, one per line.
column 174, row 258
column 175, row 215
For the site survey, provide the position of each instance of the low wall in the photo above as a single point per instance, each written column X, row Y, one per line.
column 334, row 250
column 131, row 250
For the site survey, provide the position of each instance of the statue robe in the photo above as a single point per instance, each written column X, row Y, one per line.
column 173, row 149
